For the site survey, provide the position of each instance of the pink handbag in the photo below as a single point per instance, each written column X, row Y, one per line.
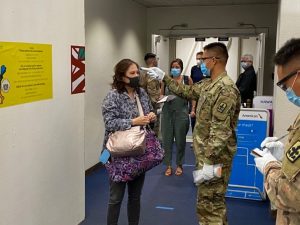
column 131, row 142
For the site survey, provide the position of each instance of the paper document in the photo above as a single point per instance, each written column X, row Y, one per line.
column 163, row 99
column 166, row 98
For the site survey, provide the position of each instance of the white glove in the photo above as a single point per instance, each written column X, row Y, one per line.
column 208, row 172
column 156, row 73
column 198, row 177
column 275, row 147
column 261, row 162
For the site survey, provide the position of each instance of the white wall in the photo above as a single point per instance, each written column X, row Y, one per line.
column 162, row 51
column 114, row 30
column 222, row 19
column 187, row 48
column 288, row 27
column 42, row 155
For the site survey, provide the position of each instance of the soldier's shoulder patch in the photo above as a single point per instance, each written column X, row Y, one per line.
column 294, row 152
column 221, row 107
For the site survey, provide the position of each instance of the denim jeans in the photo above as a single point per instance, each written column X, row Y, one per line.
column 117, row 191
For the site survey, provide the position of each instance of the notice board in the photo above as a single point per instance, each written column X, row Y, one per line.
column 25, row 73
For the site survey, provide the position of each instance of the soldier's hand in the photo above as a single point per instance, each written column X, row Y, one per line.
column 275, row 147
column 198, row 177
column 261, row 162
column 211, row 171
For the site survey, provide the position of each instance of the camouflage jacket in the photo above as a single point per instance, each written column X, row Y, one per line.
column 282, row 181
column 152, row 87
column 218, row 107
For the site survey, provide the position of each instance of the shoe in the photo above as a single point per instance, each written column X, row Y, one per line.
column 179, row 171
column 168, row 171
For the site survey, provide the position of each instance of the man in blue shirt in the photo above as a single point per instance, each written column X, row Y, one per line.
column 196, row 73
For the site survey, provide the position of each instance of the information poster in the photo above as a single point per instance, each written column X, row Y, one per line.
column 25, row 73
column 246, row 181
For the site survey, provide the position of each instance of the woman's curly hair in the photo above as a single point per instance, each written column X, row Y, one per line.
column 120, row 71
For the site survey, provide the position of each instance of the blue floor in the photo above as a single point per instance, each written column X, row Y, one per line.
column 168, row 200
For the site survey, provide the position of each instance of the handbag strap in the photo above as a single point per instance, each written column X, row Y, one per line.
column 139, row 105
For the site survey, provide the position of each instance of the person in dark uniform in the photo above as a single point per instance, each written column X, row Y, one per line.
column 196, row 73
column 246, row 82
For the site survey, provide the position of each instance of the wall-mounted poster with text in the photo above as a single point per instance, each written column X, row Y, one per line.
column 77, row 69
column 25, row 73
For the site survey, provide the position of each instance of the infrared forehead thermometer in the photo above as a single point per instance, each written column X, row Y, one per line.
column 145, row 69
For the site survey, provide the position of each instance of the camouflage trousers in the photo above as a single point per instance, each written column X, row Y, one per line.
column 211, row 207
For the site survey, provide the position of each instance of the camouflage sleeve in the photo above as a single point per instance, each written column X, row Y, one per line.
column 283, row 193
column 153, row 90
column 221, row 130
column 182, row 90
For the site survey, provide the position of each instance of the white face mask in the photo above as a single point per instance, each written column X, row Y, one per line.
column 198, row 62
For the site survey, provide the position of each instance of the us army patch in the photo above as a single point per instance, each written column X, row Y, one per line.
column 221, row 107
column 294, row 152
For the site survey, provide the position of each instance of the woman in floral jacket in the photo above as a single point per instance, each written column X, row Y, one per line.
column 120, row 112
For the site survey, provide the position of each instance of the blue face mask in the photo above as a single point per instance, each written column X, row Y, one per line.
column 292, row 97
column 175, row 72
column 204, row 69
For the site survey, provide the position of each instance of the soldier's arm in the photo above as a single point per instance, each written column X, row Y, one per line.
column 182, row 90
column 283, row 193
column 223, row 114
column 153, row 90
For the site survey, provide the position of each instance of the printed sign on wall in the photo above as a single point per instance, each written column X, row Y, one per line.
column 77, row 69
column 25, row 73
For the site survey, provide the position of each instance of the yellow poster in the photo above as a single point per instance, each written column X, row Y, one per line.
column 25, row 73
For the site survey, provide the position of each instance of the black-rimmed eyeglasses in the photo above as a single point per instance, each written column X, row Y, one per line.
column 205, row 58
column 281, row 83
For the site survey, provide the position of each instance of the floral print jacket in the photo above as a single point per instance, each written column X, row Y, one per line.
column 118, row 109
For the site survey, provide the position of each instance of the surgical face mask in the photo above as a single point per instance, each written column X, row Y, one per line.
column 292, row 97
column 175, row 72
column 198, row 62
column 134, row 82
column 244, row 65
column 204, row 69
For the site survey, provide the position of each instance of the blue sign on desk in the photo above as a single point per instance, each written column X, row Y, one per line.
column 246, row 181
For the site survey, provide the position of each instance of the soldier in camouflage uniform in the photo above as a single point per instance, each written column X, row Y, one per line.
column 152, row 87
column 214, row 136
column 282, row 179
